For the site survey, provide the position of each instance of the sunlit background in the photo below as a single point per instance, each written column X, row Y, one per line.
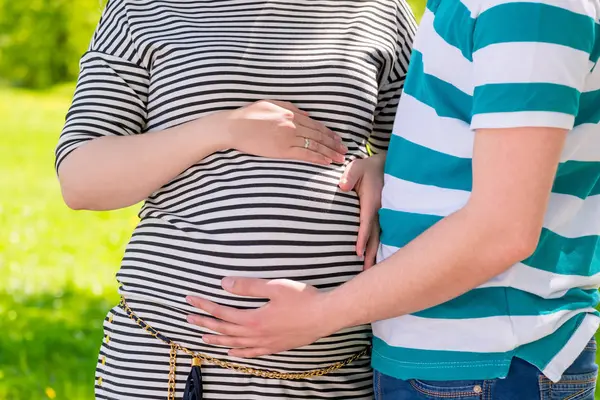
column 56, row 266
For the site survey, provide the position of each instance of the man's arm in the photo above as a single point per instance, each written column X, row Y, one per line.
column 513, row 171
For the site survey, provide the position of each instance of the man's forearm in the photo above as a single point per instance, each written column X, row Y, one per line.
column 454, row 256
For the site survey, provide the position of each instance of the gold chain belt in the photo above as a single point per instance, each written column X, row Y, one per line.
column 200, row 358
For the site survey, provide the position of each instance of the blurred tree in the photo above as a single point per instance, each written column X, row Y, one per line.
column 42, row 40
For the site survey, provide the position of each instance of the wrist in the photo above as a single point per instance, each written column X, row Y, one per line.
column 220, row 124
column 333, row 314
column 212, row 131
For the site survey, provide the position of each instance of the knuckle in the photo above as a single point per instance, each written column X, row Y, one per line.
column 287, row 114
column 211, row 323
column 210, row 308
column 215, row 310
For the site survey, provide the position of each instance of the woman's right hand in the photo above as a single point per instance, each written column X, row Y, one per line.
column 277, row 129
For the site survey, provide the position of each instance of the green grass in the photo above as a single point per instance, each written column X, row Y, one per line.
column 57, row 266
column 418, row 7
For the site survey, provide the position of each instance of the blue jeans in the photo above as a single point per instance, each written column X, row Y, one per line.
column 524, row 382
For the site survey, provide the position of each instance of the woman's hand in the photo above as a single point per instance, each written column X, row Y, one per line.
column 113, row 172
column 276, row 129
column 365, row 176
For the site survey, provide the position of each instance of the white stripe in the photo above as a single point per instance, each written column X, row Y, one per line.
column 569, row 353
column 385, row 252
column 572, row 217
column 454, row 137
column 480, row 335
column 547, row 285
column 401, row 195
column 567, row 215
column 522, row 119
column 419, row 123
column 583, row 144
column 537, row 63
column 441, row 59
column 584, row 7
column 541, row 283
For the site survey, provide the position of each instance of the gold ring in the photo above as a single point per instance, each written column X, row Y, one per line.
column 306, row 143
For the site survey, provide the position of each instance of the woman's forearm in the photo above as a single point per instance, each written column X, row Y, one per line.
column 118, row 171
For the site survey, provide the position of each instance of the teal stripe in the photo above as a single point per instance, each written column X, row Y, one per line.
column 554, row 253
column 415, row 163
column 406, row 363
column 446, row 99
column 541, row 352
column 566, row 256
column 557, row 254
column 589, row 107
column 596, row 51
column 432, row 5
column 399, row 228
column 534, row 22
column 454, row 24
column 578, row 178
column 433, row 356
column 596, row 189
column 502, row 301
column 517, row 97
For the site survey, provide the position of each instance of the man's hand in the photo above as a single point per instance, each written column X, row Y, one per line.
column 294, row 317
column 365, row 176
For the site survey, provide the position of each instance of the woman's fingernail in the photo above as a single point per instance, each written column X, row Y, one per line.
column 206, row 339
column 189, row 300
column 191, row 319
column 228, row 283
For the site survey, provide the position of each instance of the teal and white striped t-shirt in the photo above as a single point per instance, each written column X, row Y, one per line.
column 497, row 64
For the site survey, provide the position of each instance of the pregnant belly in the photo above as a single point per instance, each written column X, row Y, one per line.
column 264, row 219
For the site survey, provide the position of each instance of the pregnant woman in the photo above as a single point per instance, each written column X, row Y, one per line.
column 221, row 115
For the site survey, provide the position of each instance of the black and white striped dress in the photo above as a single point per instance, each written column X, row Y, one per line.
column 154, row 64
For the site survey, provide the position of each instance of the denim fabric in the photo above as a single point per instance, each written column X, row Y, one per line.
column 524, row 382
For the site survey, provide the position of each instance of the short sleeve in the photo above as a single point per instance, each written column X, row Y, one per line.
column 111, row 93
column 393, row 81
column 530, row 63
